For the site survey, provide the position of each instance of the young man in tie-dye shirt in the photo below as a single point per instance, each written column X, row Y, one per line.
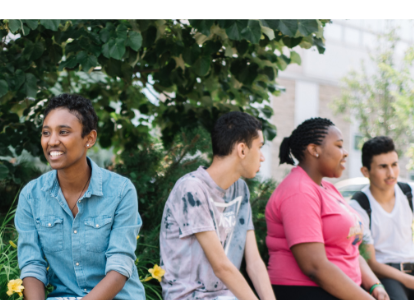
column 207, row 222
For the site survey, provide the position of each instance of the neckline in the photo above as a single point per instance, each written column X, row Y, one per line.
column 376, row 203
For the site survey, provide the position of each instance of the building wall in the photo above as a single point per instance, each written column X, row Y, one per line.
column 312, row 87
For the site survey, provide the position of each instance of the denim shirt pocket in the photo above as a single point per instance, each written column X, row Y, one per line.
column 50, row 229
column 97, row 232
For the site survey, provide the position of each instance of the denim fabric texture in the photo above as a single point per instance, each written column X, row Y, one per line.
column 79, row 251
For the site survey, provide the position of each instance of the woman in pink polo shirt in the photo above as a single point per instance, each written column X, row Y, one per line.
column 313, row 234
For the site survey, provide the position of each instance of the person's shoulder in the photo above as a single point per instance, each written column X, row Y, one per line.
column 35, row 186
column 114, row 180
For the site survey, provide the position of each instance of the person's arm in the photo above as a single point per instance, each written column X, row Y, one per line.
column 312, row 260
column 256, row 268
column 30, row 255
column 369, row 279
column 223, row 268
column 385, row 271
column 34, row 289
column 108, row 287
column 121, row 248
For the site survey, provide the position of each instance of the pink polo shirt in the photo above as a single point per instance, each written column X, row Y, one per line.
column 300, row 211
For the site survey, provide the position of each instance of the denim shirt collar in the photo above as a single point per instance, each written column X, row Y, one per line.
column 95, row 186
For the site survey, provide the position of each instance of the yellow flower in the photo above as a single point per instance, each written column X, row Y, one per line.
column 12, row 244
column 157, row 272
column 148, row 278
column 15, row 286
column 137, row 236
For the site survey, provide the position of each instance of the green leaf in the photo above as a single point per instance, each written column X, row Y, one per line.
column 307, row 27
column 291, row 41
column 4, row 88
column 38, row 50
column 4, row 171
column 115, row 48
column 319, row 44
column 269, row 32
column 50, row 24
column 288, row 27
column 267, row 111
column 87, row 61
column 252, row 32
column 202, row 26
column 31, row 23
column 295, row 58
column 235, row 29
column 30, row 85
column 134, row 40
column 15, row 25
column 121, row 31
column 202, row 66
column 273, row 24
column 70, row 63
column 26, row 30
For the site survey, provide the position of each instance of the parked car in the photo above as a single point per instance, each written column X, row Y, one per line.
column 350, row 186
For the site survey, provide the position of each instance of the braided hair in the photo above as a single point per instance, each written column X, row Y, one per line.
column 311, row 131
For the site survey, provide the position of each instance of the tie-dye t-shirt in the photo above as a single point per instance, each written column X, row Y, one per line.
column 198, row 204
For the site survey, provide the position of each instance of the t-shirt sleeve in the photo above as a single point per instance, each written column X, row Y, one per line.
column 191, row 208
column 250, row 225
column 301, row 218
column 365, row 221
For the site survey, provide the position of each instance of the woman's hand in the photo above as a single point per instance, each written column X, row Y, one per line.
column 379, row 293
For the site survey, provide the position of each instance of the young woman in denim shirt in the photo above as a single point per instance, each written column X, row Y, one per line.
column 78, row 223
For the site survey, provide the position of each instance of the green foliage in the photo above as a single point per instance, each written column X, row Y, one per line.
column 167, row 74
column 9, row 268
column 10, row 183
column 381, row 100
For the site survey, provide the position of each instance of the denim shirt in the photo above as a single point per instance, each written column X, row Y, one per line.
column 79, row 251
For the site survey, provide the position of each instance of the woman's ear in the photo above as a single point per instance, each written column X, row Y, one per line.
column 313, row 150
column 91, row 138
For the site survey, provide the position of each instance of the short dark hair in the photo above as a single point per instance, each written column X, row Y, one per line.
column 81, row 107
column 376, row 146
column 311, row 131
column 231, row 128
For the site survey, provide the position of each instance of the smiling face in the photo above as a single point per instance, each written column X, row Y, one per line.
column 332, row 155
column 384, row 170
column 253, row 157
column 62, row 141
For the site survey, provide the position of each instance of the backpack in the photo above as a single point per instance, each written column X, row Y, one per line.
column 363, row 201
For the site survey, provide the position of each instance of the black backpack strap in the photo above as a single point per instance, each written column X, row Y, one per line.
column 406, row 189
column 363, row 201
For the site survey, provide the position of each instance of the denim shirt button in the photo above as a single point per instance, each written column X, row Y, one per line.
column 97, row 225
column 75, row 232
column 49, row 224
column 77, row 264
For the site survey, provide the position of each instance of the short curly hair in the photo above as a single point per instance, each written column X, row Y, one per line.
column 376, row 146
column 81, row 107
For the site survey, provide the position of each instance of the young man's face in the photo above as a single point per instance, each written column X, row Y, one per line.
column 254, row 156
column 384, row 170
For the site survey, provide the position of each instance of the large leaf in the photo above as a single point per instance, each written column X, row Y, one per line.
column 4, row 88
column 122, row 31
column 134, row 40
column 30, row 85
column 202, row 66
column 87, row 61
column 288, row 27
column 50, row 24
column 234, row 31
column 14, row 25
column 252, row 32
column 274, row 24
column 320, row 45
column 4, row 171
column 32, row 23
column 38, row 49
column 202, row 26
column 307, row 27
column 295, row 58
column 115, row 48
